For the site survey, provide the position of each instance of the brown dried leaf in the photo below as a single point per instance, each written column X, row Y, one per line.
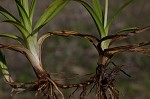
column 91, row 38
column 130, row 48
column 115, row 38
column 17, row 48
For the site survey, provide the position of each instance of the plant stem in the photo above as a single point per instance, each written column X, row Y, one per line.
column 35, row 57
column 106, row 14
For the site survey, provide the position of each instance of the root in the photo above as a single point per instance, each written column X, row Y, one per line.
column 54, row 84
column 45, row 86
column 102, row 82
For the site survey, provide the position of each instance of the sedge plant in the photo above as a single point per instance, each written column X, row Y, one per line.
column 29, row 44
column 103, row 80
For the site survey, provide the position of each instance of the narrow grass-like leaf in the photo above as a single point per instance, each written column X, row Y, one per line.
column 95, row 18
column 24, row 16
column 25, row 4
column 4, row 68
column 106, row 14
column 50, row 12
column 117, row 13
column 91, row 38
column 21, row 1
column 130, row 48
column 18, row 48
column 32, row 8
column 15, row 37
column 145, row 51
column 98, row 9
column 127, row 29
column 21, row 28
column 7, row 14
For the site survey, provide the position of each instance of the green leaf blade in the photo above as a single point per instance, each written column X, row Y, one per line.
column 15, row 37
column 106, row 15
column 98, row 9
column 95, row 18
column 25, row 4
column 24, row 16
column 8, row 15
column 117, row 13
column 127, row 29
column 50, row 12
column 32, row 8
column 22, row 29
column 5, row 69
